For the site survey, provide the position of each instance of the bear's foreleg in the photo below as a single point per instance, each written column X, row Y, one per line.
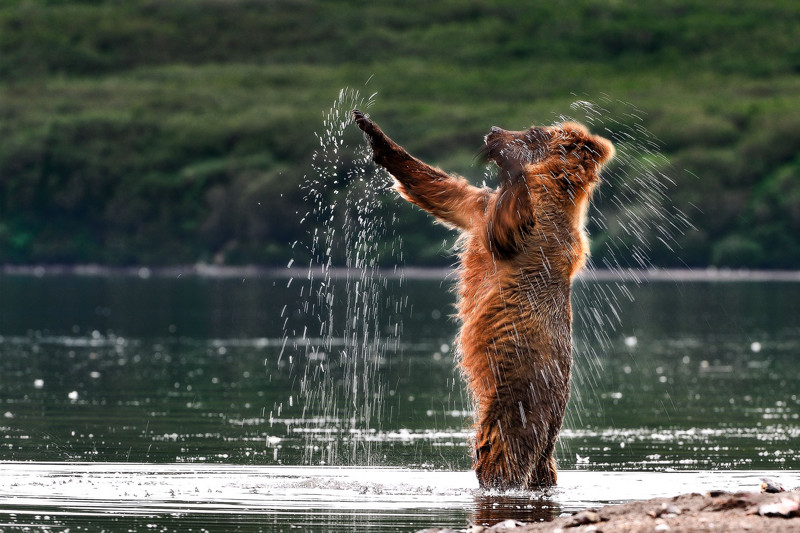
column 449, row 198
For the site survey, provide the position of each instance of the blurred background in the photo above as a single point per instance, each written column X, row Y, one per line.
column 175, row 132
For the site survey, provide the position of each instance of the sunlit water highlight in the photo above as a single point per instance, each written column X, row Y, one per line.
column 160, row 497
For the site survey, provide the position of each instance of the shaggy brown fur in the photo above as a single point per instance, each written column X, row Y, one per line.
column 522, row 245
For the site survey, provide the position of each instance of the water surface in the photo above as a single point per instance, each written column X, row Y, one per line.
column 114, row 383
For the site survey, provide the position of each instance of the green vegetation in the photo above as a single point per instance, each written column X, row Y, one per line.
column 167, row 132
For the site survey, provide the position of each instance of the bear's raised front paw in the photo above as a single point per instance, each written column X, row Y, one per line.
column 364, row 123
column 377, row 139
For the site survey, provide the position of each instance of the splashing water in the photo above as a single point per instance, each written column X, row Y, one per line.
column 344, row 342
column 638, row 213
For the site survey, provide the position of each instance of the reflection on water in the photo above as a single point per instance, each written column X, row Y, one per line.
column 698, row 377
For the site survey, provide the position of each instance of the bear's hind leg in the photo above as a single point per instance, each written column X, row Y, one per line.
column 512, row 454
column 546, row 472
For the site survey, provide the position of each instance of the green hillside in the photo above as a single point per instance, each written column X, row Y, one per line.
column 175, row 131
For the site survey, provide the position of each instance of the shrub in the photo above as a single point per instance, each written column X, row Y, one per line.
column 737, row 252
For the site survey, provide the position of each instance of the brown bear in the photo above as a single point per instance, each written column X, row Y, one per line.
column 521, row 245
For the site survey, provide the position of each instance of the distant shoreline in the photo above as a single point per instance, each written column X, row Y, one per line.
column 408, row 272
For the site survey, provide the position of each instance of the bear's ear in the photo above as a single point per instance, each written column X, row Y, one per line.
column 587, row 147
column 600, row 148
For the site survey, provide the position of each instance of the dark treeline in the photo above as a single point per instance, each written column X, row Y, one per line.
column 171, row 132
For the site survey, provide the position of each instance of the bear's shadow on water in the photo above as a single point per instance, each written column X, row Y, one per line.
column 492, row 507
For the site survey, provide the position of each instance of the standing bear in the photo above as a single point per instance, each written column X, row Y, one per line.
column 521, row 245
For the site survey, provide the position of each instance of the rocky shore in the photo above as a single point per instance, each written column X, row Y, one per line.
column 720, row 512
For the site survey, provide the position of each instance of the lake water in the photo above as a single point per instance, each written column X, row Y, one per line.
column 171, row 402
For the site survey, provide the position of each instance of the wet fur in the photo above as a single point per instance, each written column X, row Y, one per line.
column 522, row 244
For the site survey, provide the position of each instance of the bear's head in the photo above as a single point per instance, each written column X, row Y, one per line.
column 567, row 150
column 543, row 168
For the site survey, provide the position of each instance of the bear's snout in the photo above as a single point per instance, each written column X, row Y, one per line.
column 497, row 136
